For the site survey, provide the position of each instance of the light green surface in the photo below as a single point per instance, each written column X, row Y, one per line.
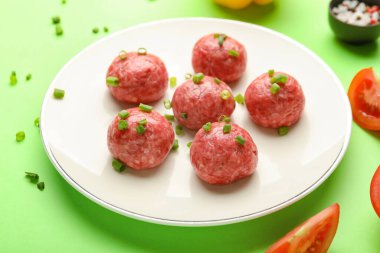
column 60, row 219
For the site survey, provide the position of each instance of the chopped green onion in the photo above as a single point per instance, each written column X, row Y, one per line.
column 58, row 93
column 184, row 115
column 32, row 176
column 37, row 122
column 271, row 72
column 175, row 145
column 145, row 108
column 224, row 118
column 221, row 39
column 20, row 136
column 239, row 98
column 13, row 78
column 41, row 186
column 140, row 129
column 105, row 29
column 28, row 77
column 123, row 114
column 216, row 35
column 179, row 130
column 283, row 130
column 240, row 140
column 167, row 104
column 142, row 51
column 188, row 76
column 275, row 88
column 169, row 117
column 123, row 55
column 217, row 80
column 189, row 144
column 63, row 1
column 233, row 53
column 197, row 78
column 143, row 122
column 112, row 81
column 227, row 128
column 95, row 30
column 207, row 127
column 58, row 30
column 173, row 81
column 122, row 125
column 117, row 165
column 225, row 94
column 279, row 79
column 56, row 20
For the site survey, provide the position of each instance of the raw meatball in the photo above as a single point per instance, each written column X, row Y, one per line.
column 275, row 110
column 196, row 104
column 140, row 78
column 141, row 150
column 225, row 59
column 219, row 159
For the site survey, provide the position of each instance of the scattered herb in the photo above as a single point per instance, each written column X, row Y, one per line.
column 117, row 165
column 239, row 98
column 58, row 93
column 41, row 186
column 13, row 78
column 20, row 136
column 175, row 145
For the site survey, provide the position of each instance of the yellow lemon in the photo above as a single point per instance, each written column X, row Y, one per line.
column 262, row 2
column 235, row 4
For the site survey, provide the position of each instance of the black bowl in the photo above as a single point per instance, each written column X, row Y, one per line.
column 353, row 33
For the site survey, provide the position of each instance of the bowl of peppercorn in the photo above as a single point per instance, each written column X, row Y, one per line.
column 355, row 21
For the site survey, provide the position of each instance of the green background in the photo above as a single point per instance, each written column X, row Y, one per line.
column 60, row 219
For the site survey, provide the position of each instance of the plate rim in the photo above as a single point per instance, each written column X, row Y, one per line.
column 216, row 222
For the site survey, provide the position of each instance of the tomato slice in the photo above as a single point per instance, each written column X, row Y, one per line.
column 375, row 191
column 313, row 236
column 364, row 95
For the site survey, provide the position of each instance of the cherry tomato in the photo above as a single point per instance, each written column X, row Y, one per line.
column 364, row 95
column 315, row 235
column 375, row 191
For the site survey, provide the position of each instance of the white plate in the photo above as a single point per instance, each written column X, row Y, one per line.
column 74, row 129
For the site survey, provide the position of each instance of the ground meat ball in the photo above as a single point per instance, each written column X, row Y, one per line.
column 274, row 110
column 142, row 78
column 220, row 61
column 218, row 159
column 141, row 151
column 201, row 103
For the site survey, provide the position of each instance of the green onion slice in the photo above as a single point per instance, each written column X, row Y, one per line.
column 105, row 29
column 122, row 125
column 58, row 30
column 140, row 129
column 41, row 186
column 58, row 93
column 169, row 117
column 112, row 81
column 189, row 144
column 167, row 104
column 20, row 136
column 175, row 145
column 275, row 88
column 143, row 122
column 188, row 76
column 280, row 79
column 145, row 108
column 225, row 94
column 95, row 30
column 123, row 114
column 28, row 77
column 239, row 98
column 271, row 72
column 184, row 115
column 173, row 81
column 221, row 39
column 13, row 78
column 283, row 130
column 224, row 118
column 179, row 130
column 207, row 127
column 197, row 78
column 32, row 176
column 227, row 128
column 37, row 122
column 56, row 20
column 118, row 165
column 233, row 53
column 123, row 55
column 217, row 80
column 142, row 51
column 240, row 140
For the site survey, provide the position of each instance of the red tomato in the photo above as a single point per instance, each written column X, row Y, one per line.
column 364, row 95
column 313, row 236
column 375, row 191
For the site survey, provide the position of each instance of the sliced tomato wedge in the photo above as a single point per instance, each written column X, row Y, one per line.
column 375, row 191
column 313, row 236
column 364, row 95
